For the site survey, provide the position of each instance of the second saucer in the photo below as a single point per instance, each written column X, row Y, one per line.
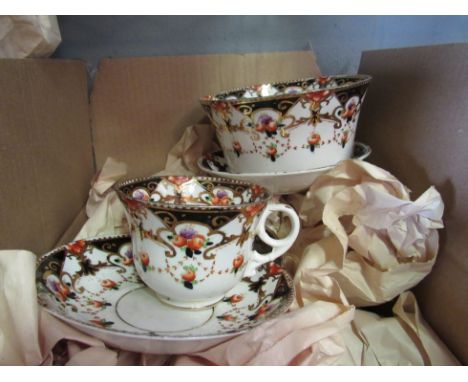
column 278, row 183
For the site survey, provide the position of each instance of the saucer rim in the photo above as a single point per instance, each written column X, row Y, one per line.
column 367, row 148
column 119, row 333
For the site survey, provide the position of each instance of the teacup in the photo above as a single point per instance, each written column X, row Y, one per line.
column 193, row 237
column 289, row 126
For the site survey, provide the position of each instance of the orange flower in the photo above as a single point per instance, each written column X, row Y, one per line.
column 96, row 303
column 237, row 262
column 189, row 274
column 133, row 205
column 144, row 258
column 266, row 123
column 220, row 201
column 322, row 80
column 261, row 311
column 236, row 298
column 108, row 283
column 62, row 291
column 253, row 209
column 344, row 138
column 351, row 108
column 196, row 242
column 272, row 151
column 128, row 261
column 221, row 106
column 221, row 198
column 256, row 190
column 227, row 317
column 314, row 139
column 274, row 269
column 76, row 247
column 318, row 96
column 179, row 241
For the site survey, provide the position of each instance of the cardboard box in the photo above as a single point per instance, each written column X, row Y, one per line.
column 53, row 138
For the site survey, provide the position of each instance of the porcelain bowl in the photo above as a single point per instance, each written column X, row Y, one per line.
column 288, row 126
column 278, row 183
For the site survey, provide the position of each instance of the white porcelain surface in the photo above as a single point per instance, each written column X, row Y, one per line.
column 193, row 237
column 290, row 126
column 278, row 183
column 93, row 286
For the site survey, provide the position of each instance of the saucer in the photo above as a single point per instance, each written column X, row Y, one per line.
column 99, row 292
column 279, row 182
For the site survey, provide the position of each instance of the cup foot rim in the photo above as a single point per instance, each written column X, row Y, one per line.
column 189, row 305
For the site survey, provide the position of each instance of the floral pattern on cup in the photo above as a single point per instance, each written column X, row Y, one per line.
column 344, row 138
column 314, row 141
column 350, row 109
column 266, row 124
column 145, row 262
column 189, row 276
column 141, row 194
column 190, row 241
column 199, row 235
column 185, row 190
column 237, row 263
column 272, row 126
column 236, row 146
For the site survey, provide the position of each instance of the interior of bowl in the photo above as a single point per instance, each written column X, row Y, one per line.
column 183, row 191
column 290, row 88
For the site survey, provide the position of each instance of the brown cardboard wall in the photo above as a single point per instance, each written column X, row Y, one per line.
column 45, row 150
column 416, row 120
column 140, row 106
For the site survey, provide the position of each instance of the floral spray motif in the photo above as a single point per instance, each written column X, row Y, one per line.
column 314, row 140
column 272, row 151
column 145, row 262
column 266, row 124
column 190, row 240
column 237, row 263
column 221, row 198
column 237, row 148
column 344, row 138
column 188, row 278
column 350, row 109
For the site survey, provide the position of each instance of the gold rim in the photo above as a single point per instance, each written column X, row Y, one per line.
column 361, row 79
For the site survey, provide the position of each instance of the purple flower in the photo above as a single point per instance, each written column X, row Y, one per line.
column 221, row 194
column 52, row 284
column 264, row 119
column 188, row 233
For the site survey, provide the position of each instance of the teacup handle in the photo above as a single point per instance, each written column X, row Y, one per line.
column 280, row 246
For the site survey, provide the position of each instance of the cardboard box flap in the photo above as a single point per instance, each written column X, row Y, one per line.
column 140, row 106
column 415, row 119
column 45, row 150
